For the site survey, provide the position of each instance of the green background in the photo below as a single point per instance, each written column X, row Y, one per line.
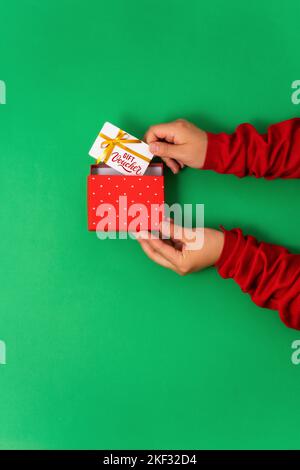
column 104, row 348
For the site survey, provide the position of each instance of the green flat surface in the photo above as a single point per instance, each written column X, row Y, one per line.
column 104, row 348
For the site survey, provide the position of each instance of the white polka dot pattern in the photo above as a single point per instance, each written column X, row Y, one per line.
column 146, row 190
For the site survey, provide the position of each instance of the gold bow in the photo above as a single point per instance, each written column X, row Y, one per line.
column 109, row 143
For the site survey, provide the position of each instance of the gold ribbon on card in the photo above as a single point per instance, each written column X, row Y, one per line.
column 109, row 144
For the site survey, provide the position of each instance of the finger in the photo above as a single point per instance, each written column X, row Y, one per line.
column 165, row 250
column 168, row 229
column 142, row 235
column 146, row 235
column 184, row 235
column 164, row 131
column 166, row 150
column 154, row 255
column 174, row 166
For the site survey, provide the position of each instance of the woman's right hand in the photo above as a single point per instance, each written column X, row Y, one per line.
column 178, row 143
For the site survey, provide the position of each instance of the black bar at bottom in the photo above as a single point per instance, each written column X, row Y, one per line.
column 136, row 458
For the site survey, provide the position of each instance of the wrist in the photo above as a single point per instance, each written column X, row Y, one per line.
column 212, row 155
column 214, row 241
column 202, row 150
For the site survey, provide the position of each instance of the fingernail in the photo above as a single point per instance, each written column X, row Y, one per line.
column 153, row 147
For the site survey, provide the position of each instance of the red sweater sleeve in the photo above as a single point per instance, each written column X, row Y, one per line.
column 269, row 273
column 275, row 154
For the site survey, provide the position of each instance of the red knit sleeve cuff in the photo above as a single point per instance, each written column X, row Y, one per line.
column 229, row 241
column 234, row 244
column 213, row 153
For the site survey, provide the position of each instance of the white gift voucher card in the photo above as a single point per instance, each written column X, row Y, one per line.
column 121, row 151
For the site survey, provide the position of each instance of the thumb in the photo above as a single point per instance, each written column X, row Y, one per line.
column 164, row 149
column 170, row 230
column 192, row 239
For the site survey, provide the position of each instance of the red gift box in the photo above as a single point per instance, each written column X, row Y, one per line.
column 117, row 202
